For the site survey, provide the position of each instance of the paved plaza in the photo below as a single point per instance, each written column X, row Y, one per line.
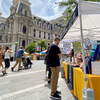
column 30, row 84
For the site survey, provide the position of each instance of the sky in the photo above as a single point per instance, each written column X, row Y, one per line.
column 46, row 9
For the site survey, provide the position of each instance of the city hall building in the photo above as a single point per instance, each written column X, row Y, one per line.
column 23, row 27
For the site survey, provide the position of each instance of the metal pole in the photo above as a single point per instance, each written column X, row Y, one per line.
column 85, row 79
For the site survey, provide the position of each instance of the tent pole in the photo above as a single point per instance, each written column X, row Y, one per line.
column 85, row 79
column 61, row 51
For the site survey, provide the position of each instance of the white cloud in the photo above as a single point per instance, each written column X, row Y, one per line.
column 46, row 9
column 57, row 11
column 1, row 9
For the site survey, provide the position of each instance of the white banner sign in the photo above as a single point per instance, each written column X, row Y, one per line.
column 66, row 48
column 87, row 43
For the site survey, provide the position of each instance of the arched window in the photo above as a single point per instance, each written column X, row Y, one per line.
column 24, row 29
column 40, row 24
column 48, row 36
column 25, row 13
column 35, row 22
column 34, row 34
column 23, row 43
column 44, row 35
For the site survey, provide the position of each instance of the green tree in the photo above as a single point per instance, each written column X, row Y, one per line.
column 31, row 48
column 42, row 43
column 70, row 6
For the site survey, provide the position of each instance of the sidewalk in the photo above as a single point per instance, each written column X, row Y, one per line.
column 30, row 85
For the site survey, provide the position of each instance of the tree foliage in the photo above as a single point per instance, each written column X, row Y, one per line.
column 42, row 43
column 71, row 5
column 31, row 48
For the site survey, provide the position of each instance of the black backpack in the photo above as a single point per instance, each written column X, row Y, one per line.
column 47, row 59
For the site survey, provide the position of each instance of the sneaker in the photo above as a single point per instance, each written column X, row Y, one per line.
column 58, row 92
column 19, row 69
column 46, row 76
column 49, row 82
column 12, row 69
column 3, row 73
column 55, row 96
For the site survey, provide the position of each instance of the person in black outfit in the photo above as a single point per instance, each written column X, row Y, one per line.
column 71, row 54
column 54, row 63
column 48, row 68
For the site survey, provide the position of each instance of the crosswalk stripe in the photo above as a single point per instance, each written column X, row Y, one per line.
column 32, row 72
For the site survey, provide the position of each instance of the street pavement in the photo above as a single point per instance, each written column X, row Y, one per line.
column 30, row 84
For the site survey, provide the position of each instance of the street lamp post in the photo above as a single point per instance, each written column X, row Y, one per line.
column 15, row 50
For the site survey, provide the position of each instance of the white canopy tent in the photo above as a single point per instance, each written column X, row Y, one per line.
column 90, row 13
column 84, row 23
column 91, row 28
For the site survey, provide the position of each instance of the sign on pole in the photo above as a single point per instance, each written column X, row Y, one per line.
column 66, row 48
column 34, row 56
column 38, row 48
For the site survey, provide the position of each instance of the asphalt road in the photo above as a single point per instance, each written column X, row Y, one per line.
column 30, row 84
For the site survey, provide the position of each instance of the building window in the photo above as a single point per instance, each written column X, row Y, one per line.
column 48, row 44
column 39, row 34
column 44, row 26
column 34, row 33
column 24, row 29
column 34, row 30
column 44, row 35
column 2, row 28
column 40, row 24
column 23, row 43
column 34, row 41
column 48, row 36
column 49, row 27
column 25, row 13
column 10, row 40
column 0, row 37
column 35, row 22
column 55, row 35
column 59, row 36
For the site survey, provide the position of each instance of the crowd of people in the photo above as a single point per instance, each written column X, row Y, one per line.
column 5, row 55
column 52, row 56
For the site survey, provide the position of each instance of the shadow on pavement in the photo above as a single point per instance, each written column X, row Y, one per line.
column 46, row 79
column 1, row 75
column 70, row 88
column 48, row 86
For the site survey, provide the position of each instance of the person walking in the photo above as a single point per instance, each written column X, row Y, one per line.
column 18, row 59
column 7, row 59
column 2, row 53
column 54, row 63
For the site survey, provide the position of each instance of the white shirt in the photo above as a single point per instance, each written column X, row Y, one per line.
column 7, row 55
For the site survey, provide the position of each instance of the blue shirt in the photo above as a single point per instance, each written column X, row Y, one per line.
column 19, row 54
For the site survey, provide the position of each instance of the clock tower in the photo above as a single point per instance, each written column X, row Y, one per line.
column 21, row 7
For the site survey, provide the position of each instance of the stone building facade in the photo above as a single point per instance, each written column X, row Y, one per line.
column 23, row 27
